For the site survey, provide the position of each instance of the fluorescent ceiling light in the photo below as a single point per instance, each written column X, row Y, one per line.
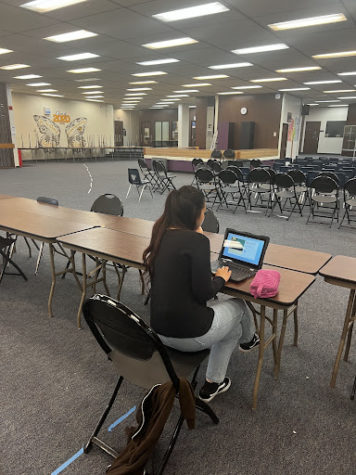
column 295, row 89
column 71, row 36
column 87, row 79
column 333, row 100
column 268, row 79
column 261, row 49
column 139, row 89
column 142, row 82
column 171, row 99
column 163, row 103
column 312, row 83
column 311, row 21
column 78, row 57
column 52, row 95
column 92, row 86
column 170, row 43
column 348, row 73
column 5, row 51
column 230, row 93
column 28, row 76
column 158, row 61
column 179, row 95
column 192, row 12
column 339, row 91
column 246, row 87
column 297, row 70
column 345, row 97
column 43, row 6
column 93, row 92
column 10, row 67
column 95, row 100
column 311, row 105
column 187, row 90
column 135, row 93
column 341, row 54
column 231, row 66
column 339, row 105
column 96, row 97
column 197, row 84
column 149, row 73
column 38, row 84
column 192, row 107
column 83, row 70
column 47, row 90
column 213, row 76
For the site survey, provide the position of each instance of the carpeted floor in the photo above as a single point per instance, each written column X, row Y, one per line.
column 55, row 380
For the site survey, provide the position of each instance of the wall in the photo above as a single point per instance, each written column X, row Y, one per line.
column 131, row 123
column 327, row 144
column 96, row 130
column 291, row 115
column 262, row 109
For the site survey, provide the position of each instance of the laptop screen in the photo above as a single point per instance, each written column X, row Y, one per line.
column 243, row 248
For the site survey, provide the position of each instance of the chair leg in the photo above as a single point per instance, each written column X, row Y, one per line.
column 6, row 261
column 39, row 257
column 171, row 445
column 88, row 446
column 128, row 192
column 352, row 397
column 204, row 407
column 28, row 246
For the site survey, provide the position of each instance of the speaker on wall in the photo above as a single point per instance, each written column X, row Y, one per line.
column 305, row 109
column 247, row 134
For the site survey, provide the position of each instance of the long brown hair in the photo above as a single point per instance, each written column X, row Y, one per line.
column 181, row 210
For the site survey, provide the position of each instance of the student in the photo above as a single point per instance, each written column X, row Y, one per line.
column 178, row 262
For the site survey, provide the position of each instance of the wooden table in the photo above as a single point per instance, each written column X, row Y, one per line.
column 127, row 249
column 341, row 271
column 5, row 197
column 294, row 258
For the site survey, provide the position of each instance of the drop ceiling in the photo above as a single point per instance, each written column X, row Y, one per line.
column 123, row 26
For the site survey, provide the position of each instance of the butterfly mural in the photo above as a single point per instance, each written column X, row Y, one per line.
column 75, row 132
column 49, row 132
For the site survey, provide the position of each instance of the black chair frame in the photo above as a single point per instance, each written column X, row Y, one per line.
column 230, row 186
column 6, row 246
column 349, row 194
column 131, row 322
column 164, row 180
column 323, row 196
column 148, row 174
column 284, row 189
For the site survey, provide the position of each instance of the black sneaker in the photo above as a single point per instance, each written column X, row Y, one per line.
column 246, row 347
column 210, row 390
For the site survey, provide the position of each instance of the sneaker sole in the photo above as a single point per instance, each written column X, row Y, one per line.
column 217, row 392
column 250, row 349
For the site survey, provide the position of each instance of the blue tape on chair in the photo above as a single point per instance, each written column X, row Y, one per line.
column 120, row 419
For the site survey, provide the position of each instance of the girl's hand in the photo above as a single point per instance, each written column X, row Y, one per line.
column 199, row 230
column 223, row 272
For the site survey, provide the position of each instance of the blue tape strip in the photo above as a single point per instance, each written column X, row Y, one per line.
column 120, row 419
column 68, row 462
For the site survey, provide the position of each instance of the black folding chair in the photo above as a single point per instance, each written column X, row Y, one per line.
column 349, row 201
column 206, row 182
column 165, row 180
column 216, row 154
column 135, row 180
column 140, row 357
column 324, row 198
column 214, row 165
column 148, row 174
column 285, row 190
column 260, row 184
column 230, row 187
column 6, row 245
column 211, row 222
column 108, row 204
column 196, row 163
column 229, row 153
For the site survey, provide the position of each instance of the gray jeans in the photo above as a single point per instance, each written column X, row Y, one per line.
column 232, row 324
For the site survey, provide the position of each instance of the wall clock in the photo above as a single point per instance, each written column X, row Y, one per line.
column 243, row 110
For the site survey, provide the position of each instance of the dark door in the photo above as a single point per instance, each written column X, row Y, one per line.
column 284, row 141
column 119, row 133
column 146, row 133
column 311, row 137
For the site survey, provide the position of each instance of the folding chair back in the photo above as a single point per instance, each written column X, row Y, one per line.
column 211, row 222
column 48, row 201
column 298, row 177
column 134, row 177
column 197, row 162
column 108, row 204
column 216, row 154
column 227, row 177
column 229, row 153
column 204, row 175
column 259, row 176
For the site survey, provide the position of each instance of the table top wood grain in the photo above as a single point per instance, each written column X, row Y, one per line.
column 342, row 268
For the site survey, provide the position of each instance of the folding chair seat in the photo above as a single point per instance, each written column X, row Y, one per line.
column 285, row 190
column 140, row 357
column 324, row 198
column 135, row 179
column 6, row 245
column 206, row 182
column 349, row 204
column 231, row 187
column 260, row 185
column 165, row 180
column 148, row 174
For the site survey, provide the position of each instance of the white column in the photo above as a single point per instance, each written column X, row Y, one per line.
column 183, row 125
column 12, row 124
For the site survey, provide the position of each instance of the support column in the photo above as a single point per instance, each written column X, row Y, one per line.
column 6, row 142
column 183, row 126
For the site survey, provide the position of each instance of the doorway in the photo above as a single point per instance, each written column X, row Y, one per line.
column 118, row 133
column 284, row 141
column 311, row 137
column 146, row 133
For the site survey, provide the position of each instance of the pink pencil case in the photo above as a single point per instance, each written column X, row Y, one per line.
column 265, row 284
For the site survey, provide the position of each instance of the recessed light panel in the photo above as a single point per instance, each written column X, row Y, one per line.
column 197, row 84
column 268, row 79
column 212, row 76
column 139, row 89
column 339, row 91
column 142, row 82
column 344, row 97
column 186, row 90
column 87, row 79
column 149, row 73
column 38, row 84
column 43, row 6
column 231, row 66
column 95, row 100
column 92, row 86
column 11, row 67
column 154, row 62
column 192, row 12
column 339, row 105
column 297, row 70
column 83, row 70
column 78, row 57
column 348, row 73
column 315, row 83
column 47, row 90
column 52, row 95
column 341, row 54
column 71, row 36
column 5, row 51
column 135, row 94
column 333, row 100
column 295, row 89
column 171, row 43
column 261, row 49
column 93, row 92
column 305, row 22
column 246, row 87
column 28, row 76
column 230, row 93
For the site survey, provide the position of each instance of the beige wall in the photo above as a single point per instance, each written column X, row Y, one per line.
column 99, row 128
column 131, row 124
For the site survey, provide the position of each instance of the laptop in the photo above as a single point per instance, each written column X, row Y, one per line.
column 242, row 252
